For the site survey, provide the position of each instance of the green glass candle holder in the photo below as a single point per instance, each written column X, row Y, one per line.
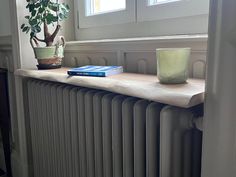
column 172, row 65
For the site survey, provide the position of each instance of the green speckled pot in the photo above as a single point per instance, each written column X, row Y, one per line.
column 48, row 52
column 49, row 57
column 172, row 65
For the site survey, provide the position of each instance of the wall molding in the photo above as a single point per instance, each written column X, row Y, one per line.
column 5, row 40
column 6, row 58
column 137, row 55
column 199, row 38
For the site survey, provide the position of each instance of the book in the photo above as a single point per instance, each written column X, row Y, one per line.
column 96, row 71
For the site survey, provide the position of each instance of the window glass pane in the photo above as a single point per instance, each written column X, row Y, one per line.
column 155, row 2
column 104, row 6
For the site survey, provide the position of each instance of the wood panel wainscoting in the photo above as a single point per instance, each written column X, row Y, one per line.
column 137, row 55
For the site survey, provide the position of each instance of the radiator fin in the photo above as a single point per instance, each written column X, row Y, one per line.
column 180, row 144
column 74, row 132
column 97, row 105
column 81, row 130
column 117, row 135
column 107, row 134
column 139, row 138
column 153, row 139
column 89, row 126
column 128, row 136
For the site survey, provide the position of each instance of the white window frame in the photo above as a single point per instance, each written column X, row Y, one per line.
column 127, row 15
column 168, row 10
column 192, row 18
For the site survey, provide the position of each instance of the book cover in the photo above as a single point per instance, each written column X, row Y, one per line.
column 96, row 71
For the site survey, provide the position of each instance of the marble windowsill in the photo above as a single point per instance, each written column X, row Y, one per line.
column 137, row 85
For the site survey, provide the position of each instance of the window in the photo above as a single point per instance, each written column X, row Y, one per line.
column 95, row 7
column 94, row 13
column 166, row 9
column 125, row 17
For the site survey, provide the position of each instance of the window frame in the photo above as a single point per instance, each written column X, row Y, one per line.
column 127, row 15
column 147, row 28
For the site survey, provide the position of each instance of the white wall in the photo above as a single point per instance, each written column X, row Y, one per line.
column 5, row 27
column 219, row 137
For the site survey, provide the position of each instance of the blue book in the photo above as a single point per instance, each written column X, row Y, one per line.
column 97, row 71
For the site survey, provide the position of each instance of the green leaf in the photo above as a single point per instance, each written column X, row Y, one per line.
column 27, row 17
column 38, row 17
column 22, row 26
column 28, row 29
column 35, row 29
column 33, row 22
column 41, row 9
column 38, row 29
column 37, row 5
column 25, row 28
column 53, row 6
column 31, row 7
column 50, row 18
column 64, row 8
column 45, row 3
column 61, row 16
column 33, row 13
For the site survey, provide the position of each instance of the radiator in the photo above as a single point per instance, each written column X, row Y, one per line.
column 81, row 132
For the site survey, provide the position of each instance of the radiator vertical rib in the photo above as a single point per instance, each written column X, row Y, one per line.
column 117, row 135
column 107, row 134
column 180, row 144
column 81, row 132
column 89, row 126
column 74, row 131
column 61, row 134
column 55, row 129
column 97, row 105
column 128, row 136
column 139, row 138
column 153, row 139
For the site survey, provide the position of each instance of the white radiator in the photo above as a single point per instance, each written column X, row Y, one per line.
column 80, row 132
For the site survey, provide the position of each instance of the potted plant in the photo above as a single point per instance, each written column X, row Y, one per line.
column 43, row 13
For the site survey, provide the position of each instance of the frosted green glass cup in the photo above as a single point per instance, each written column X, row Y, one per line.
column 172, row 65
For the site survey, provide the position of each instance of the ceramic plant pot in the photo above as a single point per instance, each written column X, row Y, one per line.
column 172, row 65
column 49, row 57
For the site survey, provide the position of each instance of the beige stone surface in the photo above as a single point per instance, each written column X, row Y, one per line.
column 137, row 85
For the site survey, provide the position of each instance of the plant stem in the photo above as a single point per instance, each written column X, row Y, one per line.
column 55, row 32
column 49, row 38
column 47, row 35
